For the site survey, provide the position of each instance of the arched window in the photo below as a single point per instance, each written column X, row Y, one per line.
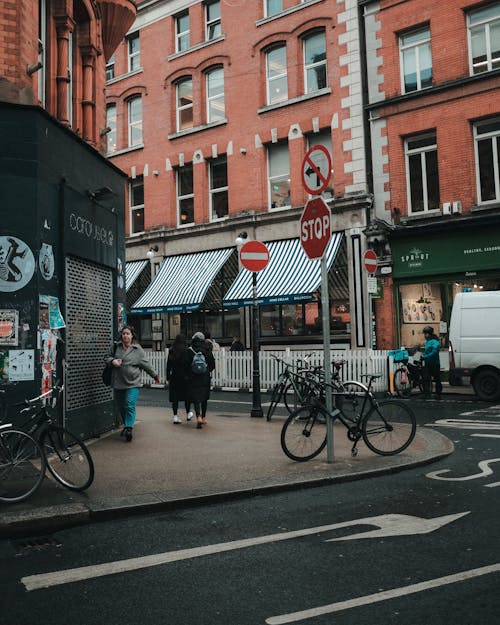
column 276, row 75
column 184, row 104
column 215, row 95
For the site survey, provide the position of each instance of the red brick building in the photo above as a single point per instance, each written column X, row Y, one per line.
column 434, row 108
column 212, row 107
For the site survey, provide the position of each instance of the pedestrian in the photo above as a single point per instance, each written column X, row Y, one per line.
column 432, row 365
column 128, row 359
column 212, row 343
column 177, row 377
column 199, row 381
column 237, row 345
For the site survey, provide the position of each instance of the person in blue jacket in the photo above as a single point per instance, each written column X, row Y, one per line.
column 432, row 366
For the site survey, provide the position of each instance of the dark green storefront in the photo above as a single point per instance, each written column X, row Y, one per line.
column 62, row 251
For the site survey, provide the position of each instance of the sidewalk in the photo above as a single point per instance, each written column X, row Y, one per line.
column 167, row 466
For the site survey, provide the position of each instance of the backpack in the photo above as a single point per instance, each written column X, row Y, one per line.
column 198, row 364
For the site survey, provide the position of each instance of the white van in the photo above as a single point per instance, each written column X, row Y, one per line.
column 475, row 342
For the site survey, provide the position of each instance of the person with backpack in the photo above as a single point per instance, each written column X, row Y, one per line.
column 201, row 364
column 177, row 377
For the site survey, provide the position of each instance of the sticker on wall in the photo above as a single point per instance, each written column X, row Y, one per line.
column 46, row 261
column 4, row 365
column 49, row 314
column 119, row 274
column 21, row 365
column 17, row 264
column 9, row 324
column 122, row 317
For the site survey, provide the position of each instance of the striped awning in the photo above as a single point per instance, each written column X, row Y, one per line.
column 290, row 275
column 182, row 282
column 133, row 270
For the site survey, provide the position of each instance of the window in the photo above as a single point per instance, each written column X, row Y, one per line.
column 487, row 146
column 277, row 83
column 184, row 104
column 111, row 124
column 134, row 52
column 213, row 27
column 219, row 207
column 315, row 62
column 135, row 121
column 323, row 138
column 422, row 173
column 136, row 193
column 279, row 174
column 182, row 32
column 484, row 39
column 42, row 42
column 215, row 95
column 272, row 7
column 185, row 195
column 416, row 60
column 110, row 68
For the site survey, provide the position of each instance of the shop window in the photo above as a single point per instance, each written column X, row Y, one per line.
column 276, row 73
column 184, row 107
column 182, row 35
column 215, row 95
column 219, row 205
column 110, row 68
column 279, row 174
column 231, row 323
column 422, row 173
column 484, row 39
column 272, row 7
column 213, row 28
column 323, row 138
column 314, row 62
column 213, row 323
column 111, row 127
column 135, row 121
column 487, row 148
column 416, row 60
column 421, row 305
column 185, row 195
column 134, row 52
column 270, row 321
column 312, row 319
column 136, row 195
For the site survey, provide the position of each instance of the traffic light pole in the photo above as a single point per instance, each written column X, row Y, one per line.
column 256, row 400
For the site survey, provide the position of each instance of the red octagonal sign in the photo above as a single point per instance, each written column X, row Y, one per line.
column 315, row 227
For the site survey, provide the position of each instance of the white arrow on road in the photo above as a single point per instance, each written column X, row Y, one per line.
column 390, row 524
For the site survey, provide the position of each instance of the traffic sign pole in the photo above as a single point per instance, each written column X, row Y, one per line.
column 325, row 313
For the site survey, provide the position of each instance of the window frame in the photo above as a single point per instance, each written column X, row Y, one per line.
column 309, row 66
column 269, row 79
column 423, row 151
column 132, row 56
column 214, row 191
column 214, row 22
column 134, row 124
column 486, row 23
column 495, row 139
column 416, row 46
column 186, row 196
column 135, row 182
column 214, row 98
column 180, row 108
column 112, row 134
column 110, row 67
column 181, row 34
column 267, row 13
column 278, row 177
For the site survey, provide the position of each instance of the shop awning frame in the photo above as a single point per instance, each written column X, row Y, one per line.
column 133, row 270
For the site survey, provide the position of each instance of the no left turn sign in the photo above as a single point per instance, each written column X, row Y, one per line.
column 316, row 169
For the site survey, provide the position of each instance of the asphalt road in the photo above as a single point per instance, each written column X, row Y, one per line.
column 421, row 546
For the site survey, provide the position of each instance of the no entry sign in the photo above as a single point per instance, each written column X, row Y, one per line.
column 370, row 259
column 254, row 256
column 315, row 227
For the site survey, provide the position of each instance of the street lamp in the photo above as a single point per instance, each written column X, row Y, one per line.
column 152, row 251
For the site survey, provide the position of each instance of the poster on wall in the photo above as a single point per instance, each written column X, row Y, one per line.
column 122, row 317
column 9, row 325
column 21, row 365
column 416, row 311
column 4, row 365
column 50, row 314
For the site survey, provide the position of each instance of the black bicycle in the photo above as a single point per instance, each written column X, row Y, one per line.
column 386, row 427
column 37, row 444
column 409, row 377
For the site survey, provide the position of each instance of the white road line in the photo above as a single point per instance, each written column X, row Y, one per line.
column 486, row 435
column 293, row 617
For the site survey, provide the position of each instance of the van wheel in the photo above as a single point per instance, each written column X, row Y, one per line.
column 486, row 385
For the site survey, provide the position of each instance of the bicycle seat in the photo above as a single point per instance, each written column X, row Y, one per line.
column 373, row 376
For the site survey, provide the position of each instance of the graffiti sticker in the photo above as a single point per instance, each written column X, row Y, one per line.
column 17, row 264
column 46, row 261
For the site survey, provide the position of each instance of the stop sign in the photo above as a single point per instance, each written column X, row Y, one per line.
column 370, row 259
column 254, row 256
column 315, row 227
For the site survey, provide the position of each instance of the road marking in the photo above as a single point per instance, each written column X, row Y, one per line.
column 466, row 424
column 486, row 435
column 483, row 465
column 387, row 521
column 293, row 617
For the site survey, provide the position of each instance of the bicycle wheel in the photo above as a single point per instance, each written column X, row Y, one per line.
column 22, row 466
column 350, row 400
column 68, row 459
column 389, row 428
column 303, row 435
column 276, row 395
column 296, row 396
column 402, row 382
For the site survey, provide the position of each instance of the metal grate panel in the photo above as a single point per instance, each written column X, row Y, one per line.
column 89, row 320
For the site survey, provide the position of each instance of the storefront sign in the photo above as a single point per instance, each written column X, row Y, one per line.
column 452, row 253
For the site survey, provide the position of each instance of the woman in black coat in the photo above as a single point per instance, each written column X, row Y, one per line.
column 178, row 375
column 199, row 383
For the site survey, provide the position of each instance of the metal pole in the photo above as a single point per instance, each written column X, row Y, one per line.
column 325, row 313
column 256, row 405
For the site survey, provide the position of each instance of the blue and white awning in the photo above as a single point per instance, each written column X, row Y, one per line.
column 182, row 282
column 133, row 270
column 290, row 275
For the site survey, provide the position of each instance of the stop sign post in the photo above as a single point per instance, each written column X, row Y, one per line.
column 315, row 227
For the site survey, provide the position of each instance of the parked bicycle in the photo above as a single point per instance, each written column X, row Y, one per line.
column 409, row 376
column 387, row 427
column 39, row 443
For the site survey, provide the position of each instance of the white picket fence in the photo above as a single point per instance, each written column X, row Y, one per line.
column 233, row 370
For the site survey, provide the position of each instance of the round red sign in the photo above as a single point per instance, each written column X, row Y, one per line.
column 315, row 227
column 370, row 259
column 254, row 256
